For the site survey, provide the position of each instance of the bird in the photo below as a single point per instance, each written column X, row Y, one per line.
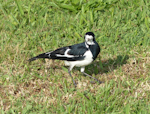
column 77, row 55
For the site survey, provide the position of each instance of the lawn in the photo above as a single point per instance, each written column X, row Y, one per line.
column 29, row 28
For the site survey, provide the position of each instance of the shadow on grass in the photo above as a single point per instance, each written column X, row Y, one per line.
column 108, row 65
column 100, row 66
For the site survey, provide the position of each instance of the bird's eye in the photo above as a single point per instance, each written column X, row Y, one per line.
column 88, row 39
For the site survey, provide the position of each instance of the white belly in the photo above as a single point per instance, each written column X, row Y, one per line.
column 87, row 60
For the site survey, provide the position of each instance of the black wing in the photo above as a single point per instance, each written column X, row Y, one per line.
column 69, row 53
column 78, row 49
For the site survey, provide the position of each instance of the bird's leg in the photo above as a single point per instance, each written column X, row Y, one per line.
column 82, row 70
column 72, row 78
column 92, row 77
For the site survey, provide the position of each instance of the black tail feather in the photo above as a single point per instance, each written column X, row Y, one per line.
column 43, row 55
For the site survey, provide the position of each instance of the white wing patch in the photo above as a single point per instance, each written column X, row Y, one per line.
column 49, row 53
column 65, row 54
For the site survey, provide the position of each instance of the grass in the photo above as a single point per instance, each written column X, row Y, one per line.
column 28, row 28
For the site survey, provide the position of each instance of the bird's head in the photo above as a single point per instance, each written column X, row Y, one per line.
column 89, row 38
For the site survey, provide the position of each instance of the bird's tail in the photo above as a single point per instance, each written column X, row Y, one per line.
column 43, row 55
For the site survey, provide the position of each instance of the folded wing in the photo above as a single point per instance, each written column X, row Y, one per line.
column 69, row 53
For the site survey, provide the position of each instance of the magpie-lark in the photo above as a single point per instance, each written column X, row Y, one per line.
column 79, row 55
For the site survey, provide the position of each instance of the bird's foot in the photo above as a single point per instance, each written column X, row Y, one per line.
column 100, row 82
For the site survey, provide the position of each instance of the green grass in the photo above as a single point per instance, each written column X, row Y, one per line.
column 28, row 28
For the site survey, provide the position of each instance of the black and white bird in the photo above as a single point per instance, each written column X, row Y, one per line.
column 79, row 55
